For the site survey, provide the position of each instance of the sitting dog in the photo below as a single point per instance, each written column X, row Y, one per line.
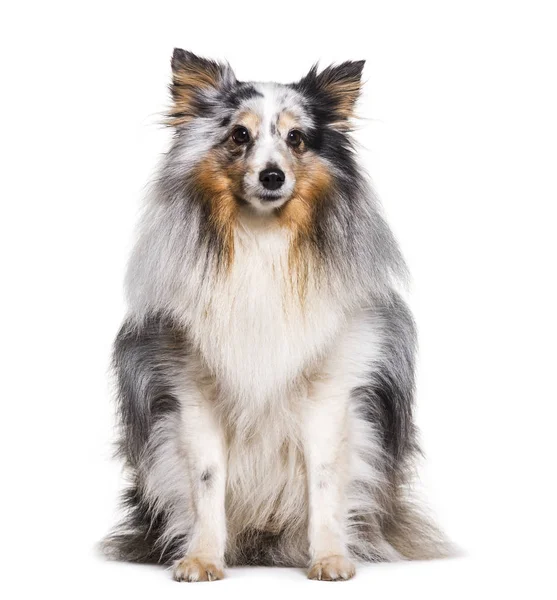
column 265, row 370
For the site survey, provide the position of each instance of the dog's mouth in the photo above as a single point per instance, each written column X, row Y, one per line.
column 271, row 197
column 262, row 199
column 263, row 203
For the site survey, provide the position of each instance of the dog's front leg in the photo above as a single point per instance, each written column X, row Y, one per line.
column 205, row 455
column 324, row 424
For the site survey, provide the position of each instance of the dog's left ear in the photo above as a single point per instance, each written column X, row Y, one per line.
column 335, row 90
column 194, row 81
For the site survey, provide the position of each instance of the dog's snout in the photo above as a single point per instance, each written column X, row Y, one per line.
column 272, row 179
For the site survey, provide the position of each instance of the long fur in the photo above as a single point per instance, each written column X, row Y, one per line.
column 253, row 316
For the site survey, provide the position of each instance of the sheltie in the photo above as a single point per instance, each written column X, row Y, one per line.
column 265, row 369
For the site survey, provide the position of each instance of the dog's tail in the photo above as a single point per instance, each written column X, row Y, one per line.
column 128, row 546
column 139, row 537
column 412, row 531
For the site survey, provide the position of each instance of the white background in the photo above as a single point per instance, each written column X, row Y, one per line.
column 459, row 132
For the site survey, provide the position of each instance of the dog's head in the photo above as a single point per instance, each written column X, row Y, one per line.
column 268, row 146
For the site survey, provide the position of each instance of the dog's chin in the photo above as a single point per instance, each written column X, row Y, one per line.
column 266, row 202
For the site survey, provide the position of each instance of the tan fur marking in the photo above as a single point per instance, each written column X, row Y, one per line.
column 346, row 93
column 250, row 120
column 197, row 77
column 286, row 122
column 186, row 81
column 217, row 183
column 197, row 569
column 312, row 180
column 332, row 568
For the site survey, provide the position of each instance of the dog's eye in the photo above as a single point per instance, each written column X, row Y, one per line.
column 294, row 138
column 240, row 135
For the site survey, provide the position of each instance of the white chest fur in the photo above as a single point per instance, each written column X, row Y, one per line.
column 252, row 328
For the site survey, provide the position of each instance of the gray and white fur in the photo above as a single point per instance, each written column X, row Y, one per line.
column 265, row 370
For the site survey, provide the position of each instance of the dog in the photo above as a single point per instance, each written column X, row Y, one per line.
column 265, row 369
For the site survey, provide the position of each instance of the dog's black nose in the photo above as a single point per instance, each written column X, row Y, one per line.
column 272, row 179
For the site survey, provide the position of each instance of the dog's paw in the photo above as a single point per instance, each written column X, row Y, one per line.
column 192, row 568
column 332, row 568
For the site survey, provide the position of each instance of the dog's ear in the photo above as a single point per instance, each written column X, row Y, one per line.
column 194, row 81
column 334, row 90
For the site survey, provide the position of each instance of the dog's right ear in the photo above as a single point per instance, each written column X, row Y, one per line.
column 194, row 81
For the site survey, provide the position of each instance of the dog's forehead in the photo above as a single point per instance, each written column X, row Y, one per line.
column 271, row 100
